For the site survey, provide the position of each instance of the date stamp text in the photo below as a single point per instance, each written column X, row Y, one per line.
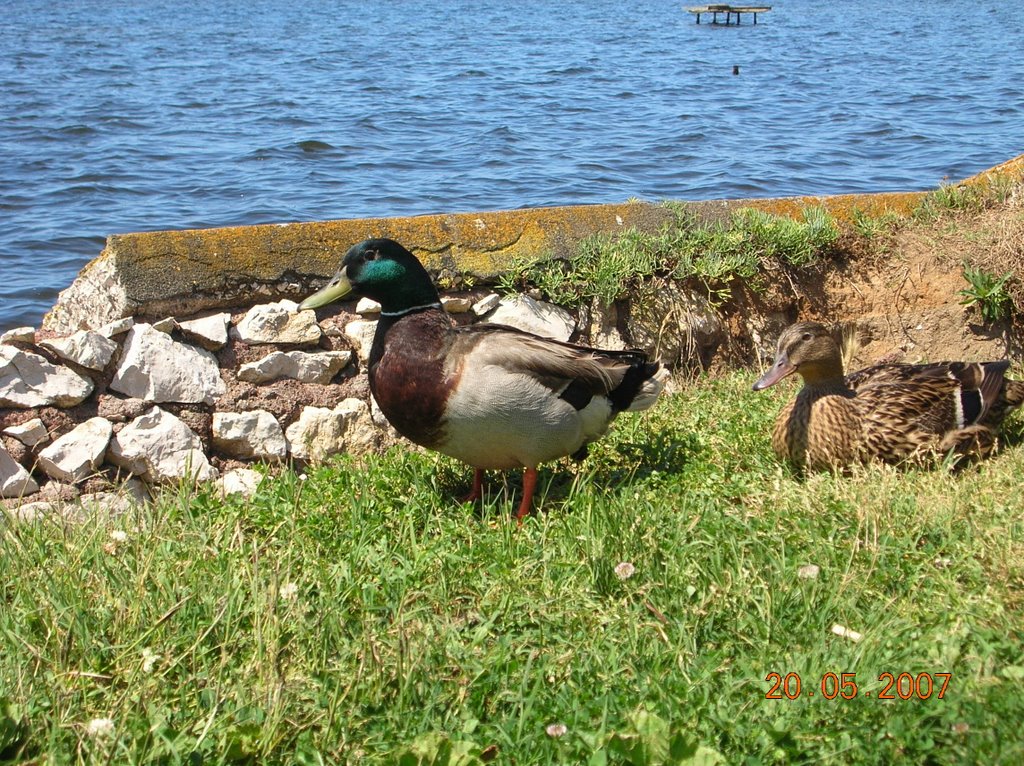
column 902, row 686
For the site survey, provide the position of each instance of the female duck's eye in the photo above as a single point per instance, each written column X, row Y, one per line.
column 806, row 336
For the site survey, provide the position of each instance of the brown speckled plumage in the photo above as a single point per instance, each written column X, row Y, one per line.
column 889, row 412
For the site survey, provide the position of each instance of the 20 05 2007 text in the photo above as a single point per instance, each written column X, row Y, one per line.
column 902, row 686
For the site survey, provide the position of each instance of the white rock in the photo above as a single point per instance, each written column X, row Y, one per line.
column 130, row 496
column 316, row 367
column 30, row 433
column 29, row 512
column 28, row 380
column 361, row 332
column 534, row 316
column 159, row 447
column 255, row 434
column 320, row 432
column 19, row 335
column 97, row 295
column 241, row 481
column 209, row 332
column 455, row 305
column 15, row 481
column 102, row 502
column 367, row 307
column 279, row 322
column 604, row 332
column 486, row 304
column 157, row 368
column 85, row 347
column 379, row 420
column 167, row 325
column 675, row 325
column 78, row 453
column 117, row 327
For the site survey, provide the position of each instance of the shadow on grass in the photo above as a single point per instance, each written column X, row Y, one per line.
column 610, row 466
column 1012, row 434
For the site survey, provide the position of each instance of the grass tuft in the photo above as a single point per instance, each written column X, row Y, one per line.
column 967, row 197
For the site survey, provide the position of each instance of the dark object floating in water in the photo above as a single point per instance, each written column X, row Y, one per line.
column 729, row 10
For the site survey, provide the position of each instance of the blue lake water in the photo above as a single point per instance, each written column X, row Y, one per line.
column 172, row 114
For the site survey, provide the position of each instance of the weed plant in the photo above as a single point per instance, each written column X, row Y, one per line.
column 988, row 293
column 358, row 614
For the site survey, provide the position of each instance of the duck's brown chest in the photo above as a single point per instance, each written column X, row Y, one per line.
column 819, row 431
column 408, row 375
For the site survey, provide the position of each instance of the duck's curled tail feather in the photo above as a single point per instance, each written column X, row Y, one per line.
column 645, row 382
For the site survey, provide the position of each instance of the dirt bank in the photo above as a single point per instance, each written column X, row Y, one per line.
column 900, row 289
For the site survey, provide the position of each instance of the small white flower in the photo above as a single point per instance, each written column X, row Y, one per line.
column 118, row 537
column 100, row 727
column 149, row 660
column 556, row 730
column 625, row 570
column 289, row 591
column 808, row 572
column 302, row 477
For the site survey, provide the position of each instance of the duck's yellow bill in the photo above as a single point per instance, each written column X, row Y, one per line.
column 336, row 289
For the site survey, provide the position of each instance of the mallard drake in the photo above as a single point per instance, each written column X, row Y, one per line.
column 890, row 412
column 492, row 396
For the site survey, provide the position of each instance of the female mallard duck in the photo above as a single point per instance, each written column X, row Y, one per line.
column 890, row 412
column 489, row 395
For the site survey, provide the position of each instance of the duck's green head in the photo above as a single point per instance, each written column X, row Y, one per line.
column 380, row 269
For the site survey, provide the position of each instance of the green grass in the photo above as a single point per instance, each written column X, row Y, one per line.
column 608, row 267
column 360, row 615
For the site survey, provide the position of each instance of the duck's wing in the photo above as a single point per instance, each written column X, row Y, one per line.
column 572, row 372
column 939, row 397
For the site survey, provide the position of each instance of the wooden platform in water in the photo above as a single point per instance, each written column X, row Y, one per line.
column 729, row 11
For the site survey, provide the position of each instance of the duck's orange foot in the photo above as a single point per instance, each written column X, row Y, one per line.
column 529, row 486
column 478, row 487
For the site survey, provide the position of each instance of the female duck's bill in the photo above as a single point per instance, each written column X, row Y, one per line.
column 781, row 369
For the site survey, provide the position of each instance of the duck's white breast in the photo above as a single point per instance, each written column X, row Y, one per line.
column 505, row 420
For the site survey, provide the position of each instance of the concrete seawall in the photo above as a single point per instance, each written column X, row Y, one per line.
column 155, row 274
